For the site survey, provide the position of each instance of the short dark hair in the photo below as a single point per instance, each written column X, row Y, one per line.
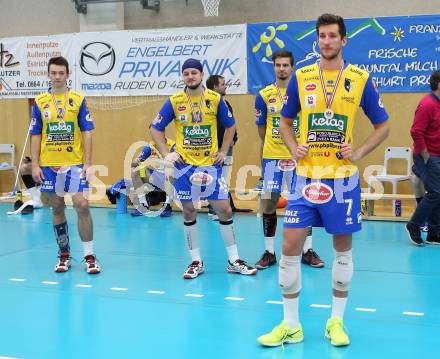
column 329, row 19
column 283, row 54
column 59, row 60
column 434, row 80
column 213, row 80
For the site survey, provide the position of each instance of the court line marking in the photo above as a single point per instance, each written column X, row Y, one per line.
column 238, row 299
column 49, row 282
column 2, row 357
column 371, row 310
column 320, row 305
column 274, row 302
column 121, row 289
column 417, row 314
column 17, row 279
column 194, row 295
column 155, row 292
column 83, row 285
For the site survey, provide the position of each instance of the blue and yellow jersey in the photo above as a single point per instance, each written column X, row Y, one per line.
column 268, row 106
column 326, row 135
column 151, row 150
column 196, row 138
column 61, row 142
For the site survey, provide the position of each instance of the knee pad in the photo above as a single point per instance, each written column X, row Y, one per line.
column 342, row 270
column 290, row 275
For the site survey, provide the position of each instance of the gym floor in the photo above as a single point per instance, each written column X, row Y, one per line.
column 141, row 306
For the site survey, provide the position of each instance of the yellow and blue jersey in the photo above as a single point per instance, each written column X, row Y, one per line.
column 61, row 142
column 268, row 106
column 196, row 138
column 150, row 149
column 325, row 135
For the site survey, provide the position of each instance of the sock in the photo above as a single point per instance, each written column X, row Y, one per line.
column 338, row 306
column 291, row 313
column 36, row 196
column 307, row 244
column 228, row 234
column 192, row 239
column 269, row 244
column 88, row 248
column 62, row 236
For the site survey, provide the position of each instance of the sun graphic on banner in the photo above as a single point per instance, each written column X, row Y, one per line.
column 398, row 34
column 266, row 38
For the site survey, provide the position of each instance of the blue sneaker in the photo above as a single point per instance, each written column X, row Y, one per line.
column 167, row 212
column 136, row 213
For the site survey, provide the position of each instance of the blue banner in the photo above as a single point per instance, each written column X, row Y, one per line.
column 399, row 52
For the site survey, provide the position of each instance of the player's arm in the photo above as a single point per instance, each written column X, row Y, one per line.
column 225, row 117
column 87, row 147
column 422, row 117
column 288, row 112
column 36, row 128
column 157, row 130
column 86, row 126
column 374, row 109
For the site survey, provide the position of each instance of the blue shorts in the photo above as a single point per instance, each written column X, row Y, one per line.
column 64, row 179
column 156, row 179
column 276, row 173
column 331, row 203
column 193, row 183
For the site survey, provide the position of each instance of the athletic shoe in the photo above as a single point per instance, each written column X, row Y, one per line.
column 194, row 270
column 241, row 267
column 433, row 239
column 334, row 330
column 414, row 234
column 282, row 334
column 312, row 259
column 63, row 264
column 136, row 213
column 167, row 212
column 424, row 228
column 267, row 259
column 91, row 266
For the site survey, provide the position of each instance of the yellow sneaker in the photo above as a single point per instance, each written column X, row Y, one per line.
column 282, row 334
column 334, row 330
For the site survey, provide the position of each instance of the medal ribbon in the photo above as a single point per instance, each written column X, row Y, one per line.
column 60, row 115
column 329, row 100
column 191, row 105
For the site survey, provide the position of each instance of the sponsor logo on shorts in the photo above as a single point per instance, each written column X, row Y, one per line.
column 286, row 165
column 201, row 179
column 317, row 193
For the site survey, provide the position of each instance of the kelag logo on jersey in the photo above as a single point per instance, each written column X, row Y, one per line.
column 97, row 58
column 56, row 127
column 317, row 121
column 196, row 131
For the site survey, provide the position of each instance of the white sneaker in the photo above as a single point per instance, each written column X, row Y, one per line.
column 194, row 270
column 63, row 264
column 241, row 267
column 92, row 266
